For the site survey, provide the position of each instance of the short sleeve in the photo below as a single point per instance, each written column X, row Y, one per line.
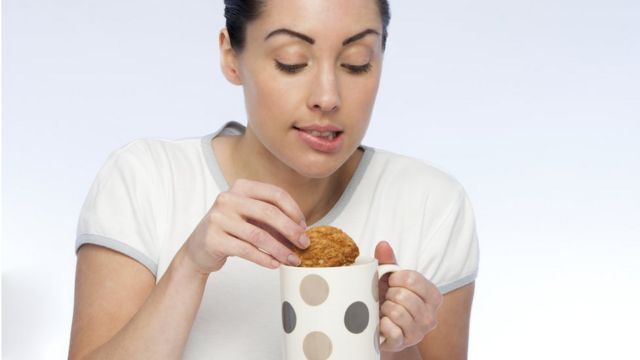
column 118, row 212
column 450, row 254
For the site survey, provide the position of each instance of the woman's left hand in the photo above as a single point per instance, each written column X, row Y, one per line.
column 409, row 307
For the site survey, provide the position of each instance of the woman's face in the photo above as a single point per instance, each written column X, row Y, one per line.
column 308, row 64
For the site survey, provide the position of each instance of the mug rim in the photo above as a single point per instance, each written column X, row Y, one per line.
column 360, row 261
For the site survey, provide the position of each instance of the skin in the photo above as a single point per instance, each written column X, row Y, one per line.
column 323, row 92
column 278, row 185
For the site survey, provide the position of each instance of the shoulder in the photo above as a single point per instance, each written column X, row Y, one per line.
column 150, row 149
column 149, row 155
column 147, row 163
column 414, row 177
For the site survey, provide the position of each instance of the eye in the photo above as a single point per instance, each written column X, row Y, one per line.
column 289, row 68
column 357, row 69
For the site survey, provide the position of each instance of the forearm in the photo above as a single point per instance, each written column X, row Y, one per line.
column 414, row 353
column 410, row 353
column 159, row 330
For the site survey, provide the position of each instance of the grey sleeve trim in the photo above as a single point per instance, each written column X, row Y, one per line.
column 458, row 283
column 118, row 246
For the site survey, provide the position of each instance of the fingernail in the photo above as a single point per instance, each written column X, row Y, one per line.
column 303, row 224
column 293, row 260
column 304, row 240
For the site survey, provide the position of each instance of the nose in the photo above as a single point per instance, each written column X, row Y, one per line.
column 324, row 95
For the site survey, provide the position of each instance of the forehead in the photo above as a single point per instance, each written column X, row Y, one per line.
column 318, row 18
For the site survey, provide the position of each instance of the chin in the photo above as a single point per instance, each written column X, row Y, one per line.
column 317, row 171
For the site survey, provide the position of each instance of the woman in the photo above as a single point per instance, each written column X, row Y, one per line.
column 168, row 243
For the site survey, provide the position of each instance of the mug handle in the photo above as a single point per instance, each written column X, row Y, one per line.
column 382, row 270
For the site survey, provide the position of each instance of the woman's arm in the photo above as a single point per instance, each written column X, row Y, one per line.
column 120, row 312
column 449, row 340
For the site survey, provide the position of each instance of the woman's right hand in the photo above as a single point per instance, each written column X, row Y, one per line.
column 245, row 221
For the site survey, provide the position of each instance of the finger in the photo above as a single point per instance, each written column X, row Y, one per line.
column 392, row 334
column 269, row 214
column 383, row 287
column 262, row 240
column 384, row 253
column 399, row 315
column 271, row 194
column 417, row 283
column 249, row 252
column 276, row 219
column 408, row 299
column 423, row 315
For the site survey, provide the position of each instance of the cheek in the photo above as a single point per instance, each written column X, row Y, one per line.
column 368, row 96
column 359, row 98
column 271, row 98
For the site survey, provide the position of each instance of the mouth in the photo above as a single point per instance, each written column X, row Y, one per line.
column 328, row 135
column 326, row 140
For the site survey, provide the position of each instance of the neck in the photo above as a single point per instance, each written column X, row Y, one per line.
column 249, row 159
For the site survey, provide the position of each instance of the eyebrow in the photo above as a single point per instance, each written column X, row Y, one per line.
column 290, row 33
column 359, row 36
column 311, row 41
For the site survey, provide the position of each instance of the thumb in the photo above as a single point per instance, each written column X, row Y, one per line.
column 384, row 253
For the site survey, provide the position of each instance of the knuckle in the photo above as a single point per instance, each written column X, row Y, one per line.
column 255, row 235
column 396, row 295
column 282, row 194
column 428, row 327
column 223, row 199
column 395, row 313
column 214, row 217
column 391, row 295
column 412, row 279
column 270, row 212
column 386, row 308
column 430, row 321
column 279, row 194
column 396, row 333
column 295, row 232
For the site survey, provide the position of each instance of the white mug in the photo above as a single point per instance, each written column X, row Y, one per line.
column 332, row 312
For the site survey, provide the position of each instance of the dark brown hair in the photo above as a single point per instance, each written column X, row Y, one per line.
column 239, row 13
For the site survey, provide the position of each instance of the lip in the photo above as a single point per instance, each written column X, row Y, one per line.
column 321, row 144
column 320, row 128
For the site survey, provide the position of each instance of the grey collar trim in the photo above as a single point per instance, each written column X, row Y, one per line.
column 235, row 128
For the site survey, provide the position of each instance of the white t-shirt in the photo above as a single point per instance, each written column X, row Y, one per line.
column 150, row 194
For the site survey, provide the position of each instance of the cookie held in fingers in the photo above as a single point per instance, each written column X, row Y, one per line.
column 328, row 247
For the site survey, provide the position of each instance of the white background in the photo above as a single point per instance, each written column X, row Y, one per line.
column 533, row 105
